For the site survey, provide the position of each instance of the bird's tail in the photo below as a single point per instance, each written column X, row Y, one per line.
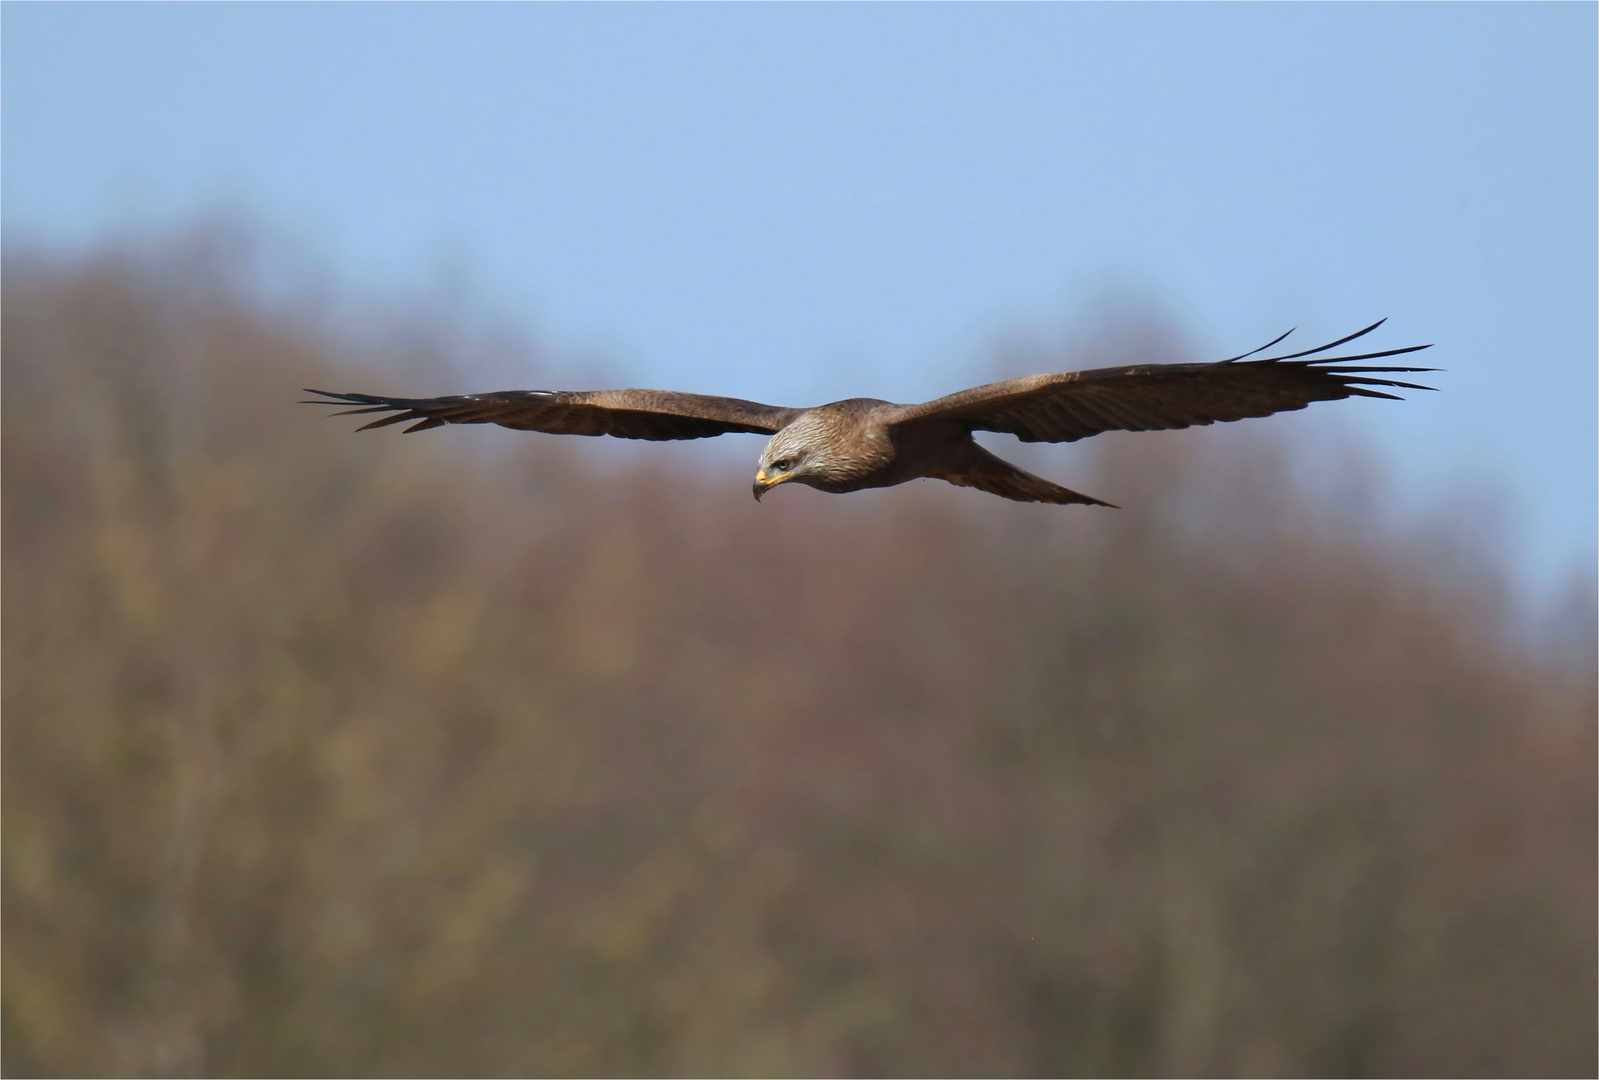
column 985, row 472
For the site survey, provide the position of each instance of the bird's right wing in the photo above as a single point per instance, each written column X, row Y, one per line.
column 626, row 414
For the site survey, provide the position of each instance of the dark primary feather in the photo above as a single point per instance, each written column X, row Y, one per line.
column 625, row 414
column 1149, row 397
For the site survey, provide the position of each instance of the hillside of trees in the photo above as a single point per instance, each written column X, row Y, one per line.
column 329, row 755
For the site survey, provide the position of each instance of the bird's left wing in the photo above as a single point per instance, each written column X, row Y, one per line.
column 1073, row 405
column 626, row 414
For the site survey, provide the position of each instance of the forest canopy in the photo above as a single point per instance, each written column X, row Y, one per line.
column 379, row 756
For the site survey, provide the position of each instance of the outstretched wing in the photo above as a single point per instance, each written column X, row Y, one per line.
column 626, row 414
column 1149, row 397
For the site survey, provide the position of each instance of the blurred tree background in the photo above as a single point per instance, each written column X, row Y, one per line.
column 381, row 756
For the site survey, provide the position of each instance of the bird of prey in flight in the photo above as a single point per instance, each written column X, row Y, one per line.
column 866, row 443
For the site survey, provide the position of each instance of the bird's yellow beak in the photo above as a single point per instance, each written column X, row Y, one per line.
column 764, row 483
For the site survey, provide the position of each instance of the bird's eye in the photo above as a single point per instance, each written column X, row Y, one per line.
column 782, row 466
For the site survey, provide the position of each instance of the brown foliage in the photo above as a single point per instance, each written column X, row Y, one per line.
column 328, row 755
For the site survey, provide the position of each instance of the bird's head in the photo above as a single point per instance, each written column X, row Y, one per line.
column 795, row 453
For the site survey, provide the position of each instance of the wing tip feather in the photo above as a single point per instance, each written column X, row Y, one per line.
column 386, row 421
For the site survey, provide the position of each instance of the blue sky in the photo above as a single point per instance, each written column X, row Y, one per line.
column 796, row 203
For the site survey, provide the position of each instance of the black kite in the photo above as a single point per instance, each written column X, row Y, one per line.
column 867, row 443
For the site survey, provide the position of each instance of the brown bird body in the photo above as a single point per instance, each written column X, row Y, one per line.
column 867, row 443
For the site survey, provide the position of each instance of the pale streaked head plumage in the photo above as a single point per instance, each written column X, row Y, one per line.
column 798, row 453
